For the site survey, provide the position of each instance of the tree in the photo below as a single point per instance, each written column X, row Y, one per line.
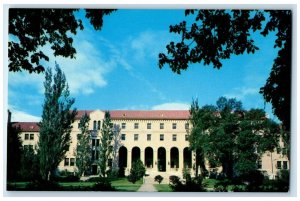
column 31, row 29
column 29, row 167
column 216, row 35
column 56, row 123
column 105, row 148
column 158, row 178
column 14, row 151
column 137, row 171
column 83, row 149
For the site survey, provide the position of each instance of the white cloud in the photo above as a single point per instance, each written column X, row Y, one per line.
column 172, row 106
column 149, row 44
column 20, row 116
column 240, row 93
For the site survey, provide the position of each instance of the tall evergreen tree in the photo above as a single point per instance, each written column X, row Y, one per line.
column 105, row 148
column 83, row 149
column 56, row 123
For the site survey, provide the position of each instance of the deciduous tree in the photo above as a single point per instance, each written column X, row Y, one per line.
column 31, row 29
column 83, row 149
column 105, row 148
column 216, row 35
column 56, row 123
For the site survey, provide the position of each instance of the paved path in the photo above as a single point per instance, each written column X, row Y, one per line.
column 147, row 186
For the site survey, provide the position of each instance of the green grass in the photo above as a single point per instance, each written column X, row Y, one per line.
column 122, row 184
column 163, row 187
column 210, row 183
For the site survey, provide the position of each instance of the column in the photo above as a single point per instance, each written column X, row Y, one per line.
column 180, row 152
column 155, row 160
column 193, row 169
column 168, row 160
column 128, row 161
column 142, row 156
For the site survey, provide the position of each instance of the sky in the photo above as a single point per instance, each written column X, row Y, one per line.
column 117, row 68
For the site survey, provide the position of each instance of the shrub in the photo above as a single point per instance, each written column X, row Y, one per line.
column 43, row 186
column 192, row 185
column 68, row 178
column 103, row 185
column 96, row 179
column 112, row 173
column 158, row 178
column 137, row 171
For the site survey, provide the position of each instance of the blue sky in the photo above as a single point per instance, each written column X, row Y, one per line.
column 117, row 68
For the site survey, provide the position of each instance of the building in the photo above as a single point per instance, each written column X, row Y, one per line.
column 159, row 138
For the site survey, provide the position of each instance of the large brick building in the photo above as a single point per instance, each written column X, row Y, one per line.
column 159, row 138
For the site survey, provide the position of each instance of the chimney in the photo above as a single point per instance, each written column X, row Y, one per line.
column 8, row 117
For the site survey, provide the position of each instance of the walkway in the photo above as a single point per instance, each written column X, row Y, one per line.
column 147, row 186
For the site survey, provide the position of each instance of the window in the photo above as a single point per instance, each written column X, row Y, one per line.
column 95, row 125
column 285, row 165
column 136, row 125
column 26, row 136
column 278, row 150
column 31, row 136
column 174, row 125
column 161, row 126
column 72, row 161
column 109, row 162
column 123, row 136
column 278, row 165
column 78, row 125
column 148, row 125
column 97, row 142
column 259, row 164
column 187, row 125
column 97, row 155
column 174, row 137
column 99, row 125
column 31, row 147
column 148, row 137
column 161, row 137
column 284, row 151
column 93, row 142
column 123, row 125
column 66, row 161
column 186, row 137
column 136, row 137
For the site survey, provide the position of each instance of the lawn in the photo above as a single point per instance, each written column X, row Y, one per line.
column 163, row 187
column 122, row 184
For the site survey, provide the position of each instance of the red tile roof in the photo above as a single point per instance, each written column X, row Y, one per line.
column 120, row 114
column 27, row 126
column 149, row 114
column 80, row 113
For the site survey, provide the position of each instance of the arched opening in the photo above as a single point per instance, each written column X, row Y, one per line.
column 161, row 159
column 174, row 157
column 122, row 157
column 187, row 157
column 135, row 154
column 149, row 157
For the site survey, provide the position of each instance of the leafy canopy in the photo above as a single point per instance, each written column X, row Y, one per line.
column 216, row 35
column 31, row 29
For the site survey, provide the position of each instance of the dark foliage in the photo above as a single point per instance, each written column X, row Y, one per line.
column 31, row 29
column 68, row 178
column 158, row 178
column 216, row 35
column 44, row 186
column 137, row 171
column 14, row 152
column 191, row 185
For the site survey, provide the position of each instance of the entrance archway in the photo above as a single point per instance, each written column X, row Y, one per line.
column 122, row 157
column 135, row 154
column 161, row 159
column 149, row 157
column 174, row 155
column 187, row 157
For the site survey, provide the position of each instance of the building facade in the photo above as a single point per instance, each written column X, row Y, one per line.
column 158, row 138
